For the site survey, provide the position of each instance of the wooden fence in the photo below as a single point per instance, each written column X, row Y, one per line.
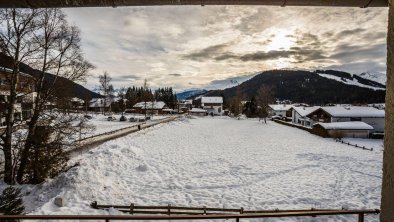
column 191, row 213
column 355, row 145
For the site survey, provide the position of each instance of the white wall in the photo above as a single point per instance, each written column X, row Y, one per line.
column 216, row 110
column 376, row 123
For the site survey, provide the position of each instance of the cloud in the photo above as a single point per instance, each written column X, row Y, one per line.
column 207, row 53
column 210, row 45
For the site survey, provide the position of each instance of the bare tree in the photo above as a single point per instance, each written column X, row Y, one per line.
column 17, row 27
column 264, row 98
column 122, row 99
column 58, row 53
column 145, row 94
column 105, row 88
column 236, row 102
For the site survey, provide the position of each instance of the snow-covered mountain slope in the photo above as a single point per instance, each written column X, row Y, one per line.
column 354, row 80
column 189, row 93
column 375, row 76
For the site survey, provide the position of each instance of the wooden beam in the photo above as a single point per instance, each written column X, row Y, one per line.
column 387, row 203
column 116, row 3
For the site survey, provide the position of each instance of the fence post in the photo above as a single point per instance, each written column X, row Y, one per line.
column 237, row 219
column 361, row 217
column 169, row 209
column 132, row 208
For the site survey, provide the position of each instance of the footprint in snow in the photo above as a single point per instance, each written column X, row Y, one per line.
column 142, row 168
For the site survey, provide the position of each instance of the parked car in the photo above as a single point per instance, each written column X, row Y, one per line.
column 122, row 118
column 111, row 118
column 87, row 116
column 141, row 120
column 132, row 119
column 276, row 117
column 129, row 111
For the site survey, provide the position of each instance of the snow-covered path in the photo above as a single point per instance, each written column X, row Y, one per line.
column 218, row 162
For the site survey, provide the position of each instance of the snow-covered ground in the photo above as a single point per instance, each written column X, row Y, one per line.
column 217, row 162
column 102, row 125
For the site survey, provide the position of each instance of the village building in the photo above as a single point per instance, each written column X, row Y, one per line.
column 184, row 106
column 26, row 95
column 155, row 107
column 100, row 105
column 197, row 112
column 280, row 110
column 299, row 115
column 212, row 104
column 77, row 103
column 343, row 129
column 368, row 115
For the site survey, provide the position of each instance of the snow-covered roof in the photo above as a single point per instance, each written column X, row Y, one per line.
column 304, row 111
column 198, row 110
column 280, row 107
column 150, row 105
column 353, row 111
column 99, row 102
column 345, row 126
column 168, row 110
column 213, row 99
column 76, row 99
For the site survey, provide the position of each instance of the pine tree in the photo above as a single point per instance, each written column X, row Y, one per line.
column 11, row 202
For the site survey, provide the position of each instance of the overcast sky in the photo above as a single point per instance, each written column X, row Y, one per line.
column 207, row 47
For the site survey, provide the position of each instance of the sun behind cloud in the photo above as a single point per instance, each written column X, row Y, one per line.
column 281, row 40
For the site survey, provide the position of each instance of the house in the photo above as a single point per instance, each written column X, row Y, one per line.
column 281, row 110
column 197, row 112
column 212, row 104
column 185, row 105
column 168, row 111
column 100, row 104
column 155, row 107
column 26, row 95
column 355, row 129
column 299, row 115
column 369, row 115
column 77, row 103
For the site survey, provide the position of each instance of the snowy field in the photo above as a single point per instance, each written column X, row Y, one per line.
column 102, row 125
column 218, row 162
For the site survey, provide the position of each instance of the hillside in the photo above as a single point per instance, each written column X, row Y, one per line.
column 319, row 87
column 190, row 93
column 375, row 76
column 65, row 87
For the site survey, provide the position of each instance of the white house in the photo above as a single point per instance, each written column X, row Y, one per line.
column 212, row 104
column 282, row 110
column 344, row 129
column 100, row 104
column 369, row 115
column 299, row 115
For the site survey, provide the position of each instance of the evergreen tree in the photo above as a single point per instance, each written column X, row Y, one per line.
column 11, row 202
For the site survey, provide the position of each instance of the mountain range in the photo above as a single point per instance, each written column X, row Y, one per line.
column 317, row 87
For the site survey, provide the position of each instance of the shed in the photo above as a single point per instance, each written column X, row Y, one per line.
column 343, row 129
